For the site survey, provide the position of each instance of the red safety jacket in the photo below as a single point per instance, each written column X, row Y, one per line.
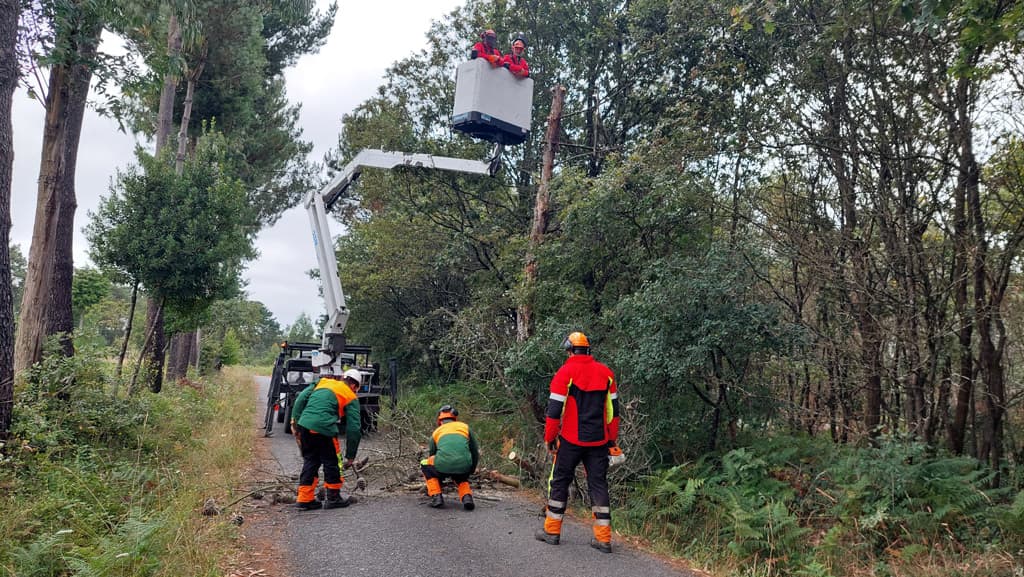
column 516, row 65
column 492, row 55
column 584, row 404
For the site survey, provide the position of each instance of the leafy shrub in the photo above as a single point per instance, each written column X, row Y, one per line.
column 86, row 470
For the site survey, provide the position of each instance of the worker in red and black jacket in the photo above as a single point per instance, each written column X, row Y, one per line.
column 582, row 425
column 514, row 60
column 487, row 48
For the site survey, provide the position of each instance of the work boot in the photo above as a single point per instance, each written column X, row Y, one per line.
column 334, row 500
column 437, row 500
column 309, row 505
column 601, row 546
column 467, row 503
column 549, row 538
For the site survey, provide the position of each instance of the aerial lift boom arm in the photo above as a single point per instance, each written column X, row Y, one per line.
column 319, row 203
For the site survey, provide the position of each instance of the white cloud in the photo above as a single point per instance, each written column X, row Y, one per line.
column 366, row 39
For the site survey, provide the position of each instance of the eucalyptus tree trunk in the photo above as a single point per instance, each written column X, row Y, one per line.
column 9, row 10
column 186, row 113
column 60, row 317
column 157, row 343
column 38, row 278
column 61, row 131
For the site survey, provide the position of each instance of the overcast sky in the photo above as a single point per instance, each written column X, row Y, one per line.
column 366, row 39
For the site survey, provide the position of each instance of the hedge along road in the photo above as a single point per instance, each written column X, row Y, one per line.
column 395, row 533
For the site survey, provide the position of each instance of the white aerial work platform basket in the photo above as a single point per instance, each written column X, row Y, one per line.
column 491, row 103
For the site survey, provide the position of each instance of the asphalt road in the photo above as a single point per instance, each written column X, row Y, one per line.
column 393, row 533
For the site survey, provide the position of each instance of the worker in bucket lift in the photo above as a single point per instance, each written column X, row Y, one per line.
column 487, row 48
column 453, row 454
column 582, row 425
column 315, row 418
column 514, row 61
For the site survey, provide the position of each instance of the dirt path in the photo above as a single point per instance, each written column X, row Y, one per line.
column 392, row 532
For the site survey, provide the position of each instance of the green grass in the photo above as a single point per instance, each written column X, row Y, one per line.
column 97, row 485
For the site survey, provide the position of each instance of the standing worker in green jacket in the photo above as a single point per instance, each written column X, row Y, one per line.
column 453, row 453
column 315, row 418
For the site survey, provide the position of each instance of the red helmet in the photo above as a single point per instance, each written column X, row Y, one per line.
column 489, row 38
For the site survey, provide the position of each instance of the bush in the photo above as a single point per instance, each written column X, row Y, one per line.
column 90, row 479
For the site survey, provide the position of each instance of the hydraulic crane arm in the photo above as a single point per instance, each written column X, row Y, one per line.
column 318, row 204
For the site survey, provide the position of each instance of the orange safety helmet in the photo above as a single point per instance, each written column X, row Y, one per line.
column 576, row 340
column 447, row 412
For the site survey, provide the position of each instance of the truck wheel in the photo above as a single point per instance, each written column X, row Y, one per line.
column 268, row 420
column 273, row 396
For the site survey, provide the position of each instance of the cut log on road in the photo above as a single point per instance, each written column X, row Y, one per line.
column 501, row 478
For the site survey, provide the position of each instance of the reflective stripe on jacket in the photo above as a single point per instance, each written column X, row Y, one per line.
column 584, row 403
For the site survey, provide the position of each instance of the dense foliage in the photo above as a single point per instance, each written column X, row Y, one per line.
column 183, row 237
column 794, row 230
column 764, row 503
column 771, row 218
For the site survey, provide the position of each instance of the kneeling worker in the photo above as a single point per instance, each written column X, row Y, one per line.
column 453, row 454
column 315, row 418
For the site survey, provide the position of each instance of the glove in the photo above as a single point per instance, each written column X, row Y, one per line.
column 615, row 457
column 298, row 437
column 472, row 54
column 506, row 65
column 553, row 447
column 348, row 464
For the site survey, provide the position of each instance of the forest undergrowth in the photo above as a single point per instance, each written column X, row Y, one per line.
column 780, row 505
column 96, row 484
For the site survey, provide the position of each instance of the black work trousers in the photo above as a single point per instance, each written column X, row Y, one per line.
column 318, row 451
column 595, row 463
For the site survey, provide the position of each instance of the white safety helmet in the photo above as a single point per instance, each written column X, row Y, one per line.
column 355, row 375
